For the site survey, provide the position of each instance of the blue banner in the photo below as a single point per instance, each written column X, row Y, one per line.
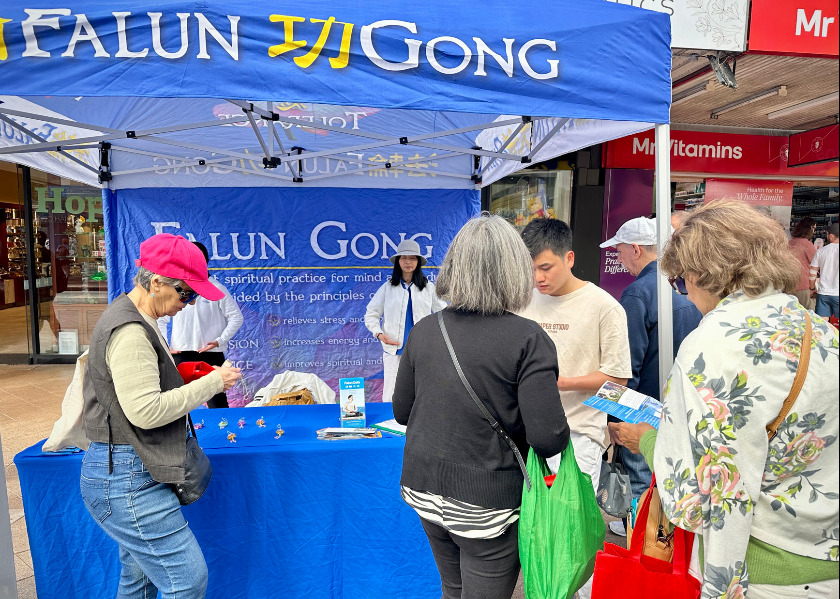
column 302, row 264
column 581, row 59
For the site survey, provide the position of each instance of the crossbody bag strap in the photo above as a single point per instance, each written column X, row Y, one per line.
column 487, row 415
column 798, row 381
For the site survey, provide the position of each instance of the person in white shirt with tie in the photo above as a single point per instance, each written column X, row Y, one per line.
column 201, row 331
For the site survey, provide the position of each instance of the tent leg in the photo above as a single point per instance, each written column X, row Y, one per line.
column 663, row 230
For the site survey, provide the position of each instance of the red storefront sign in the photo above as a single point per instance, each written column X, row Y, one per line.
column 814, row 146
column 803, row 27
column 715, row 153
column 756, row 193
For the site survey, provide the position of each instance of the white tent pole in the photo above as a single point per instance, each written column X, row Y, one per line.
column 34, row 135
column 270, row 131
column 663, row 230
column 57, row 121
column 510, row 138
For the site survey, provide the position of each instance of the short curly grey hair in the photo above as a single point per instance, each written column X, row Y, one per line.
column 143, row 279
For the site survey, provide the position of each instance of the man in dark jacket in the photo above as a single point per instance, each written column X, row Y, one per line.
column 635, row 242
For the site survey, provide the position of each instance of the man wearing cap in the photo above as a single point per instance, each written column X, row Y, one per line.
column 405, row 298
column 635, row 242
column 825, row 266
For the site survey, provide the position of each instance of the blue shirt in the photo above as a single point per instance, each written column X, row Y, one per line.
column 639, row 302
column 409, row 317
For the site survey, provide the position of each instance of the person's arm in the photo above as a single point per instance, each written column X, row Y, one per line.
column 132, row 362
column 637, row 333
column 403, row 397
column 163, row 323
column 542, row 411
column 587, row 382
column 815, row 270
column 375, row 309
column 233, row 316
column 704, row 472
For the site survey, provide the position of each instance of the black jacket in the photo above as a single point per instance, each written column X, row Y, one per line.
column 450, row 448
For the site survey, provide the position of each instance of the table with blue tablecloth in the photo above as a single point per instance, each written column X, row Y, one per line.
column 292, row 516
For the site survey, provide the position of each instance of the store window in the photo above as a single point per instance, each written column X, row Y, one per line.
column 53, row 280
column 531, row 193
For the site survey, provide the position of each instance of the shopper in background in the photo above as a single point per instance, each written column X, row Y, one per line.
column 201, row 331
column 135, row 411
column 402, row 301
column 589, row 330
column 824, row 266
column 801, row 246
column 635, row 243
column 767, row 511
column 459, row 476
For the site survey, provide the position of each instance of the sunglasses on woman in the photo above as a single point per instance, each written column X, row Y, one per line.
column 678, row 283
column 186, row 296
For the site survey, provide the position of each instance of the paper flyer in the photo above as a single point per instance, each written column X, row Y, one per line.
column 626, row 404
column 351, row 400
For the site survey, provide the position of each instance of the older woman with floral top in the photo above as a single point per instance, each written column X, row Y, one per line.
column 766, row 512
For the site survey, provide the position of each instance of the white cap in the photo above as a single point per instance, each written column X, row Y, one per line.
column 641, row 231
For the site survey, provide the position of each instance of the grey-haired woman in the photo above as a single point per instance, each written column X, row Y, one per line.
column 405, row 298
column 458, row 475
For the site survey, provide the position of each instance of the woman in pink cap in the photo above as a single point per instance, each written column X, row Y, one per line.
column 136, row 404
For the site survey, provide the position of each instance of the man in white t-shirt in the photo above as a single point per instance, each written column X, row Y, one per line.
column 589, row 330
column 825, row 264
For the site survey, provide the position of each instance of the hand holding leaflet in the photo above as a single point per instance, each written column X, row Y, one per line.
column 626, row 404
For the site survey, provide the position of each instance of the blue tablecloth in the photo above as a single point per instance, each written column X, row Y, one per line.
column 289, row 517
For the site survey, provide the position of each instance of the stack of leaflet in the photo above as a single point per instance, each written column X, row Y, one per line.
column 337, row 433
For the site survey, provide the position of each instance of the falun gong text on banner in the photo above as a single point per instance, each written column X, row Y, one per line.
column 581, row 59
column 301, row 264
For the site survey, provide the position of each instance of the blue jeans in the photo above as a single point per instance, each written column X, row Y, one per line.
column 637, row 470
column 157, row 548
column 827, row 305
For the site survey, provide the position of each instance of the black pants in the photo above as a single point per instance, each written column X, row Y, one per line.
column 214, row 358
column 475, row 568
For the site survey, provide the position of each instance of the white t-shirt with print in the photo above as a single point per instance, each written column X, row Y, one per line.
column 589, row 330
column 826, row 260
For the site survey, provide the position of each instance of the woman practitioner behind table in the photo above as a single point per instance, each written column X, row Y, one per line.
column 136, row 402
column 402, row 300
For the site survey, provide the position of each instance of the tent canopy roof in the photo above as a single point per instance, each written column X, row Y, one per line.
column 197, row 84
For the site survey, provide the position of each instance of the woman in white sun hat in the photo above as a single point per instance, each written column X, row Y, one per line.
column 405, row 298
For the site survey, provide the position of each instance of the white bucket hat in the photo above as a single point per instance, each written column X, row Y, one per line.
column 641, row 231
column 408, row 247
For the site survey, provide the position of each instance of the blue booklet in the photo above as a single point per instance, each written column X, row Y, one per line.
column 626, row 404
column 351, row 401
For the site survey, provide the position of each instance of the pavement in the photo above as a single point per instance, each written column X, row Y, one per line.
column 30, row 402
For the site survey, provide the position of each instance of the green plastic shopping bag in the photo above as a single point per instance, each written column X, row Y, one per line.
column 560, row 529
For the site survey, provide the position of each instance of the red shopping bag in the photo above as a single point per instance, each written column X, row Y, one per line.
column 628, row 574
column 191, row 371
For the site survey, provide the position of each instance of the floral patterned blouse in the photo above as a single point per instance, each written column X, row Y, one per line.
column 722, row 479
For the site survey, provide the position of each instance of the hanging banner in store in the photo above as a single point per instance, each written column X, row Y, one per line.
column 302, row 265
column 802, row 28
column 773, row 197
column 628, row 195
column 815, row 146
column 700, row 152
column 706, row 24
column 515, row 58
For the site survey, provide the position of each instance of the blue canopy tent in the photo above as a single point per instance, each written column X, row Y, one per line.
column 313, row 139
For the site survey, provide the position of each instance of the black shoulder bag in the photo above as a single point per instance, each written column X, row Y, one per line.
column 487, row 415
column 197, row 471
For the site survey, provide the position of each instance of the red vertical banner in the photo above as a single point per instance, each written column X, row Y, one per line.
column 628, row 195
column 773, row 197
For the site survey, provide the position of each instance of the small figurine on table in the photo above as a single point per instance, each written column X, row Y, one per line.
column 261, row 422
column 241, row 422
column 279, row 432
column 198, row 425
column 223, row 423
column 231, row 437
column 79, row 222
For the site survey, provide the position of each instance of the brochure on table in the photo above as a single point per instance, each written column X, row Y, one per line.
column 626, row 404
column 351, row 400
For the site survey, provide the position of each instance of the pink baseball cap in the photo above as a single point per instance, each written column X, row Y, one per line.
column 177, row 258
